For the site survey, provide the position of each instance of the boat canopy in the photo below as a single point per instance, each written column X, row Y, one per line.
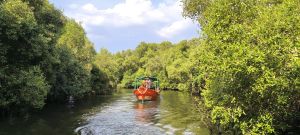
column 154, row 80
column 147, row 78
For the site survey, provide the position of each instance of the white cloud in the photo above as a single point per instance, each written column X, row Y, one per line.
column 135, row 12
column 89, row 8
column 174, row 28
column 130, row 12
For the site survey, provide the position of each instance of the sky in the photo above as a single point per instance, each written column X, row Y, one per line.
column 122, row 24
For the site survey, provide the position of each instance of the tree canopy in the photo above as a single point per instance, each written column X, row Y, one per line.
column 250, row 64
column 45, row 56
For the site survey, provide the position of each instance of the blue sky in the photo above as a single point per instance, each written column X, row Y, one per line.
column 122, row 24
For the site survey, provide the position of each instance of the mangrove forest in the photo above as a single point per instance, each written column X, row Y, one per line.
column 241, row 74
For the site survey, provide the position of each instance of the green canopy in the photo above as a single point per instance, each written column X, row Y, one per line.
column 147, row 78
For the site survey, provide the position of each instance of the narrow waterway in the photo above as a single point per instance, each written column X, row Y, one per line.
column 172, row 113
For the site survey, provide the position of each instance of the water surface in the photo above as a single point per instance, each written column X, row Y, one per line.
column 120, row 113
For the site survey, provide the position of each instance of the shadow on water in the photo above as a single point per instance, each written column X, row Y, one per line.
column 54, row 119
column 172, row 113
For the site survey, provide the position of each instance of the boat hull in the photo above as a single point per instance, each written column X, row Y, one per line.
column 145, row 94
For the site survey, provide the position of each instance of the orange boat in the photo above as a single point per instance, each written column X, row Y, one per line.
column 148, row 90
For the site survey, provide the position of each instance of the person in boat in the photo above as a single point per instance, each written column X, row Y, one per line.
column 144, row 85
column 148, row 83
column 146, row 91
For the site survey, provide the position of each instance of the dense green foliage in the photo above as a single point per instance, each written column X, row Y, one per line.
column 44, row 56
column 249, row 60
column 164, row 60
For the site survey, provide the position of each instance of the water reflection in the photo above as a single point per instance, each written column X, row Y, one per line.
column 117, row 114
column 146, row 112
column 172, row 114
column 123, row 116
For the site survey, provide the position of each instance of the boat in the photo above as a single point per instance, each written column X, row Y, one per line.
column 148, row 88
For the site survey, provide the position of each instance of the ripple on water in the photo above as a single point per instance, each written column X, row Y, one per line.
column 126, row 116
column 121, row 117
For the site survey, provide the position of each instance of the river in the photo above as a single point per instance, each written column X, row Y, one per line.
column 172, row 113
